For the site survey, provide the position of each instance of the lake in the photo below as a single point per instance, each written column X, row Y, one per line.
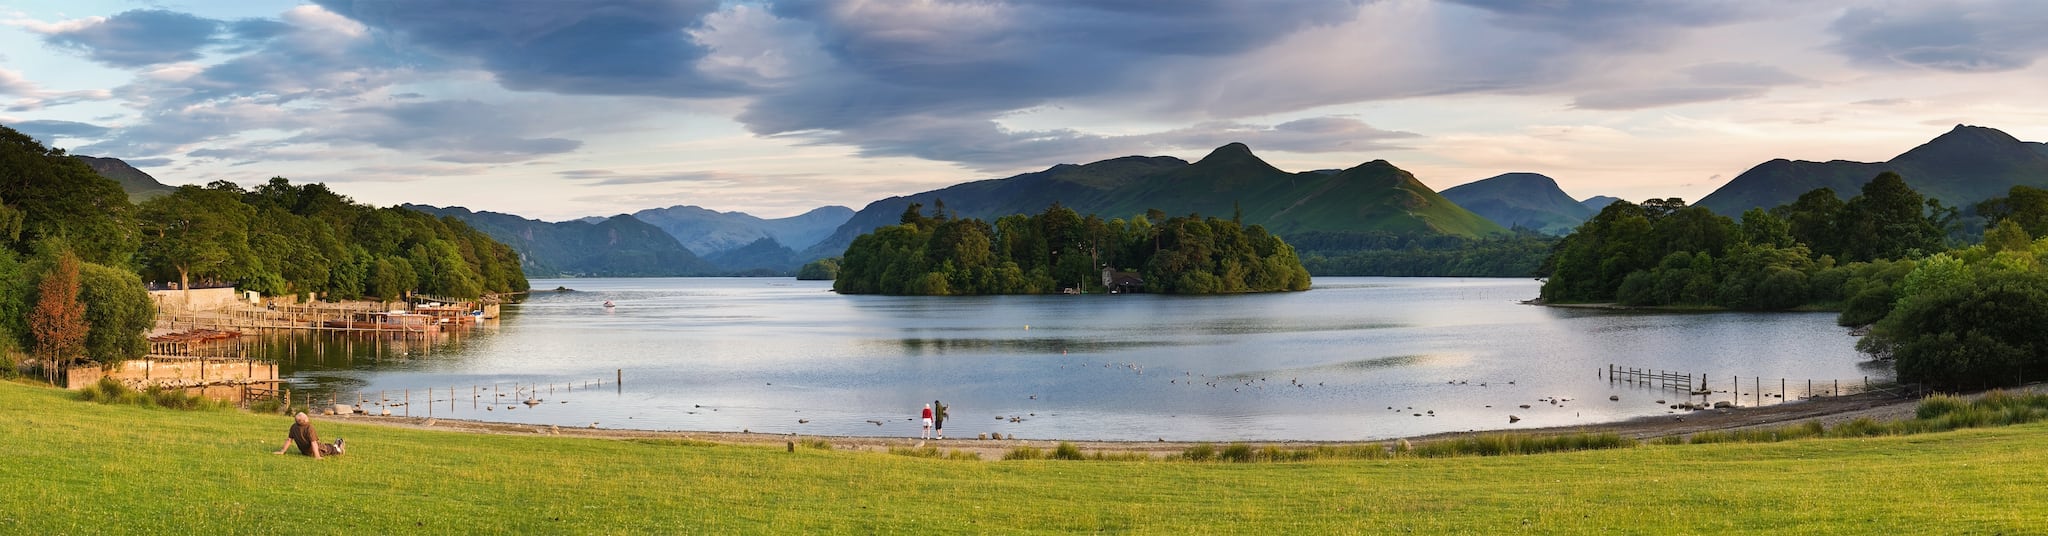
column 1354, row 359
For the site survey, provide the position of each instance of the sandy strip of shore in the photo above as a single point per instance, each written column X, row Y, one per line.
column 1877, row 405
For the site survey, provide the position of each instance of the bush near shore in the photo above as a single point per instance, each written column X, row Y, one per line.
column 75, row 467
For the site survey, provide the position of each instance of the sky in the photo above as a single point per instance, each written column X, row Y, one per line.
column 564, row 109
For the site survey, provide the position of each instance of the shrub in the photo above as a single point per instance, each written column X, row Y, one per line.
column 1067, row 451
column 1939, row 405
column 815, row 443
column 1859, row 427
column 110, row 391
column 1237, row 452
column 1201, row 452
column 1024, row 453
column 917, row 452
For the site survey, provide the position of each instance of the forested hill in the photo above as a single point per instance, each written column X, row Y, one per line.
column 619, row 246
column 1526, row 200
column 1374, row 196
column 65, row 228
column 1058, row 249
column 1962, row 167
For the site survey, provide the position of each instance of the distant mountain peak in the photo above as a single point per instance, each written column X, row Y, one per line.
column 138, row 184
column 1522, row 199
column 1234, row 154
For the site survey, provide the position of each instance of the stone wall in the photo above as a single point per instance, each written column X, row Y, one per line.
column 145, row 372
column 201, row 300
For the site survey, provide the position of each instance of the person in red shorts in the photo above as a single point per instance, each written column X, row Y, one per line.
column 927, row 423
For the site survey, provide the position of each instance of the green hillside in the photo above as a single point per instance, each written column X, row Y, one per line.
column 620, row 246
column 1526, row 200
column 1966, row 165
column 140, row 186
column 1374, row 196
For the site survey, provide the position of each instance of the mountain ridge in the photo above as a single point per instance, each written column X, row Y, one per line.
column 1230, row 181
column 619, row 246
column 1961, row 167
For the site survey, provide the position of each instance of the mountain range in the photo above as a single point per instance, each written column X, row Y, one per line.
column 619, row 246
column 1230, row 181
column 1962, row 167
column 1526, row 200
column 709, row 231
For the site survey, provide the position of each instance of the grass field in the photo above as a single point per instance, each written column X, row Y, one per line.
column 70, row 467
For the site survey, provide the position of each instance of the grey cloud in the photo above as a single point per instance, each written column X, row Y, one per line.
column 1740, row 74
column 611, row 47
column 608, row 177
column 987, row 146
column 1636, row 99
column 140, row 37
column 1629, row 23
column 974, row 60
column 45, row 130
column 149, row 162
column 1957, row 36
column 458, row 131
column 1312, row 135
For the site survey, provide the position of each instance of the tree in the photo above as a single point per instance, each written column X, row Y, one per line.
column 198, row 231
column 2007, row 235
column 58, row 196
column 819, row 270
column 119, row 314
column 2023, row 205
column 1889, row 221
column 58, row 322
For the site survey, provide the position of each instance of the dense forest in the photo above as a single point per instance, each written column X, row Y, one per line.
column 1964, row 317
column 1407, row 255
column 74, row 252
column 1059, row 249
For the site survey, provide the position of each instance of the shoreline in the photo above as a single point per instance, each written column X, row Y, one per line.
column 1880, row 405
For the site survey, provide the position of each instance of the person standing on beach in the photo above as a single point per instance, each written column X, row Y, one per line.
column 938, row 419
column 927, row 423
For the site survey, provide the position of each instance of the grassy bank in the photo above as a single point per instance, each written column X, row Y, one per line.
column 75, row 467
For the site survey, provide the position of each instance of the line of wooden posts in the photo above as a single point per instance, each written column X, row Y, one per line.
column 1699, row 385
column 518, row 392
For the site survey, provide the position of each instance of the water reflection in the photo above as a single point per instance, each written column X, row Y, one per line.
column 777, row 356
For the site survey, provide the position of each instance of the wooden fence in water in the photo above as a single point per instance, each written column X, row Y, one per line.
column 400, row 402
column 1757, row 390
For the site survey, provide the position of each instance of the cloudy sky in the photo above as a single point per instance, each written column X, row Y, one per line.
column 561, row 109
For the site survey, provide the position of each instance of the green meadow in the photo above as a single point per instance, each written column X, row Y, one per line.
column 72, row 467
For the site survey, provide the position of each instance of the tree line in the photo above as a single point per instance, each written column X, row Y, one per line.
column 1946, row 315
column 74, row 252
column 1379, row 253
column 1060, row 249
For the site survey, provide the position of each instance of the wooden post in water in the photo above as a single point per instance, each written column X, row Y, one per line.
column 620, row 380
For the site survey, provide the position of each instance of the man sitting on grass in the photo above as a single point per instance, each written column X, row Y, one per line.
column 309, row 442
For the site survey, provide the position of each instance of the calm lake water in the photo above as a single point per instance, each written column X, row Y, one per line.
column 1327, row 364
